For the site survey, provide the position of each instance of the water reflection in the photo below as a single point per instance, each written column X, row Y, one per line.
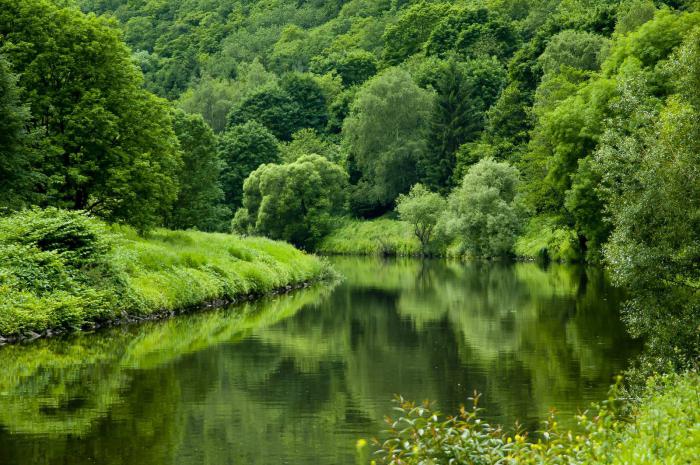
column 297, row 379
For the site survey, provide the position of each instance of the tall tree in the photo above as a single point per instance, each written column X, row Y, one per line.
column 243, row 148
column 108, row 145
column 199, row 202
column 385, row 135
column 465, row 91
column 15, row 167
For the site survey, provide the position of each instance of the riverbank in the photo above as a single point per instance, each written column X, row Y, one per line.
column 62, row 271
column 381, row 236
column 386, row 236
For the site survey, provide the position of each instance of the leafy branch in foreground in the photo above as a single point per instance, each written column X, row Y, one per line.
column 615, row 431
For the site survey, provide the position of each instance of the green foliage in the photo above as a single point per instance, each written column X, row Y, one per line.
column 309, row 99
column 308, row 142
column 547, row 238
column 107, row 145
column 64, row 270
column 465, row 91
column 472, row 32
column 295, row 202
column 50, row 264
column 484, row 214
column 243, row 149
column 273, row 108
column 649, row 186
column 381, row 236
column 411, row 30
column 575, row 49
column 74, row 237
column 199, row 201
column 385, row 135
column 353, row 67
column 14, row 156
column 421, row 209
column 420, row 434
column 212, row 98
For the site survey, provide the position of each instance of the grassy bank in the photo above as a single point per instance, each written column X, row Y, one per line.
column 381, row 236
column 663, row 428
column 63, row 271
column 542, row 238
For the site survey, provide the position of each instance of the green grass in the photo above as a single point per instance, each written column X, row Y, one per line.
column 63, row 271
column 381, row 236
column 545, row 238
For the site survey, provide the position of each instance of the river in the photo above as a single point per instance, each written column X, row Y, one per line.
column 297, row 379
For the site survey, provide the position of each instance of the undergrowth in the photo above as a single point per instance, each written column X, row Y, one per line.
column 62, row 270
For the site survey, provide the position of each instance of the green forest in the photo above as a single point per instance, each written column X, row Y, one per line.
column 545, row 130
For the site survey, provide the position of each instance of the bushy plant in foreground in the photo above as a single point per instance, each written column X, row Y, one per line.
column 54, row 271
column 663, row 428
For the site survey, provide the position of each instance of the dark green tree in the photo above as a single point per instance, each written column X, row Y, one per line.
column 15, row 161
column 473, row 32
column 386, row 134
column 107, row 145
column 353, row 67
column 243, row 148
column 199, row 202
column 273, row 108
column 409, row 33
column 309, row 100
column 465, row 91
column 296, row 202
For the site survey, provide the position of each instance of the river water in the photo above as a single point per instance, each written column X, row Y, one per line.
column 298, row 379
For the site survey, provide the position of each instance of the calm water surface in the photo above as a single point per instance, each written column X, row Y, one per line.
column 299, row 378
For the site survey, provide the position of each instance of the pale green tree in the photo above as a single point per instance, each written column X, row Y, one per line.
column 295, row 202
column 422, row 210
column 386, row 132
column 484, row 214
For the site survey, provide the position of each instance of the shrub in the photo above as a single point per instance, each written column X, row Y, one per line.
column 75, row 237
column 65, row 270
column 546, row 238
column 485, row 213
column 421, row 209
column 663, row 428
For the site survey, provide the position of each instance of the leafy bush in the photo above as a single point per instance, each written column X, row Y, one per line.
column 295, row 202
column 663, row 428
column 484, row 214
column 75, row 237
column 546, row 238
column 421, row 209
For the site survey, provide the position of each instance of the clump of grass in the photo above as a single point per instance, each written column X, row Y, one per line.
column 382, row 236
column 62, row 270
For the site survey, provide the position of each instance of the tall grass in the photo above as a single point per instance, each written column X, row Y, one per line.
column 381, row 236
column 62, row 270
